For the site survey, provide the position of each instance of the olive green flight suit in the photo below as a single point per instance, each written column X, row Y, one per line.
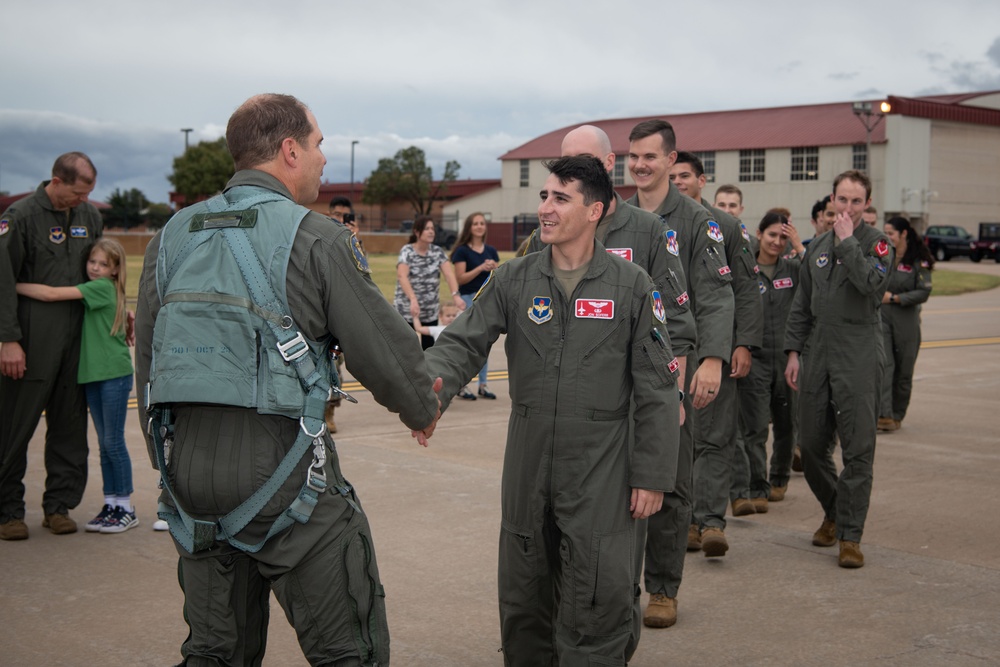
column 764, row 395
column 565, row 564
column 39, row 244
column 715, row 444
column 710, row 288
column 835, row 319
column 323, row 572
column 901, row 329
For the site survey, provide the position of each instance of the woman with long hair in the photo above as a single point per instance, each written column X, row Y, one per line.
column 418, row 277
column 909, row 286
column 473, row 260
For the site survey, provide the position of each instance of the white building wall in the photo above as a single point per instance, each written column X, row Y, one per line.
column 964, row 177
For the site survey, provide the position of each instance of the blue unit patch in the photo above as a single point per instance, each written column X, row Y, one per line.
column 880, row 267
column 4, row 226
column 746, row 234
column 714, row 231
column 56, row 234
column 763, row 288
column 659, row 312
column 359, row 256
column 672, row 246
column 541, row 309
column 822, row 260
column 78, row 232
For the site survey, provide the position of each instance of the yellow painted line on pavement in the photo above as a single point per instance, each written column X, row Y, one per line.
column 959, row 342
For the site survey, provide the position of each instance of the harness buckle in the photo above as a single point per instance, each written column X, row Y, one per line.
column 294, row 348
column 315, row 436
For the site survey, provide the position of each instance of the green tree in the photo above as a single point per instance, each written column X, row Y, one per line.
column 203, row 170
column 126, row 208
column 407, row 177
column 156, row 215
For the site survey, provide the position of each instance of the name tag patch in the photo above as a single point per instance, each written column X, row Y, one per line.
column 595, row 309
column 541, row 309
column 725, row 270
column 903, row 268
column 624, row 253
column 782, row 283
column 78, row 232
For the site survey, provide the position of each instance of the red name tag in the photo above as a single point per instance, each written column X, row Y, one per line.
column 725, row 270
column 782, row 283
column 904, row 268
column 624, row 253
column 682, row 299
column 596, row 309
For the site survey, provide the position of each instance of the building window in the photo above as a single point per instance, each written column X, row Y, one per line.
column 805, row 163
column 524, row 173
column 618, row 173
column 752, row 165
column 708, row 162
column 860, row 154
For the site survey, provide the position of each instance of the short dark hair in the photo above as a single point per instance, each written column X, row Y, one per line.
column 256, row 130
column 820, row 206
column 650, row 127
column 66, row 168
column 589, row 172
column 685, row 157
column 858, row 177
column 341, row 201
column 730, row 189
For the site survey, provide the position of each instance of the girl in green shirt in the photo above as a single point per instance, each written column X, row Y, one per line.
column 105, row 373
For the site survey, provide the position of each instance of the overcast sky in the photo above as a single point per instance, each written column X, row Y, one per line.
column 464, row 80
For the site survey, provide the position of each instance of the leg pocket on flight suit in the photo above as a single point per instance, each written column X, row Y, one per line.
column 517, row 574
column 367, row 599
column 609, row 604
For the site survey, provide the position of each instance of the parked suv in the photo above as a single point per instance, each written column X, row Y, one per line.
column 947, row 241
column 988, row 244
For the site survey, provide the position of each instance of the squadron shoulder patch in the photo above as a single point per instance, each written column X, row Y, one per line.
column 659, row 312
column 714, row 231
column 673, row 247
column 57, row 235
column 489, row 279
column 4, row 226
column 882, row 248
column 595, row 309
column 822, row 260
column 541, row 308
column 743, row 230
column 762, row 286
column 359, row 256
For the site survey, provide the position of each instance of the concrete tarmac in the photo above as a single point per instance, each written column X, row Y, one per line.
column 927, row 596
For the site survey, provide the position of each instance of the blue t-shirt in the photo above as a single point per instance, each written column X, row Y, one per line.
column 473, row 259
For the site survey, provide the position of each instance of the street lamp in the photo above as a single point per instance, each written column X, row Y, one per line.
column 863, row 110
column 354, row 142
column 186, row 131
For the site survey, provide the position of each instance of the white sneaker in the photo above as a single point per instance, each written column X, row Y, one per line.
column 160, row 524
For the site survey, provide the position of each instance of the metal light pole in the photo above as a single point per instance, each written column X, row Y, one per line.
column 186, row 131
column 863, row 110
column 354, row 142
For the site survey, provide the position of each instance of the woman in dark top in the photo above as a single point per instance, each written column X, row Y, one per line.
column 473, row 261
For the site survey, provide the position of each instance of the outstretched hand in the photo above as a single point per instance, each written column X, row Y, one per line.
column 425, row 433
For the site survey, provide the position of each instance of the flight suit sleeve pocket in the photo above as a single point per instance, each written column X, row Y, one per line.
column 653, row 363
column 714, row 264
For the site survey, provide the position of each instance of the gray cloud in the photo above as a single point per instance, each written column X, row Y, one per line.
column 843, row 76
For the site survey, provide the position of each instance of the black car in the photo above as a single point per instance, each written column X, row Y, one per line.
column 947, row 241
column 988, row 244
